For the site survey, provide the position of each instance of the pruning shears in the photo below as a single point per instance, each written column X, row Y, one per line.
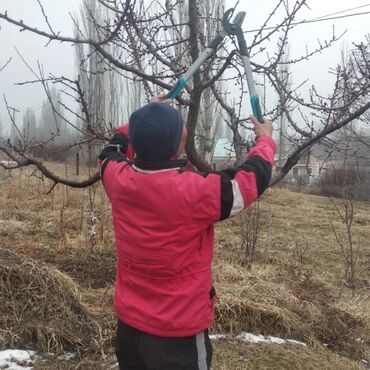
column 236, row 29
column 207, row 53
column 229, row 28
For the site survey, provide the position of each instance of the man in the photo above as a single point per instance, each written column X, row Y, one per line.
column 164, row 218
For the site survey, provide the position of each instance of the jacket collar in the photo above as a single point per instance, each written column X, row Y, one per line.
column 140, row 164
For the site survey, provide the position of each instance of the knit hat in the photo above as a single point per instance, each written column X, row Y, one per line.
column 155, row 131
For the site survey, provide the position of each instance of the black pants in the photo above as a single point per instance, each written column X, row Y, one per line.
column 137, row 350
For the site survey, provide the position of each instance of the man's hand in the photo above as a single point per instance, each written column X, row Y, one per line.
column 262, row 128
column 160, row 99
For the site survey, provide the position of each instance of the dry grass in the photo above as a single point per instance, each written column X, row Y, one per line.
column 242, row 356
column 293, row 288
column 41, row 307
column 236, row 355
column 301, row 309
column 292, row 220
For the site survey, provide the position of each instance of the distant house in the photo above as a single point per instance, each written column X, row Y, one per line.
column 311, row 166
column 323, row 157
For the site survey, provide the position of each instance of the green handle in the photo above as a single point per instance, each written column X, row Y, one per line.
column 256, row 108
column 172, row 94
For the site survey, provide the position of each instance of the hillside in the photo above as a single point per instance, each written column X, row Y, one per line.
column 57, row 271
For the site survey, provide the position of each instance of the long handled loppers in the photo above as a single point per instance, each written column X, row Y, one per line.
column 229, row 28
column 236, row 29
column 207, row 53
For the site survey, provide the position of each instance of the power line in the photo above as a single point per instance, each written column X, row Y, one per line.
column 323, row 18
column 311, row 21
column 343, row 11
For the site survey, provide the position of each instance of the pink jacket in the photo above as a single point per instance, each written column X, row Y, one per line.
column 164, row 218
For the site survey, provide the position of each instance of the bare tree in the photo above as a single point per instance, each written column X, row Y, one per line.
column 209, row 127
column 345, row 105
column 346, row 179
column 29, row 125
column 347, row 167
column 109, row 97
column 3, row 66
column 285, row 78
column 153, row 44
column 15, row 128
column 51, row 122
column 92, row 80
column 248, row 226
column 131, row 96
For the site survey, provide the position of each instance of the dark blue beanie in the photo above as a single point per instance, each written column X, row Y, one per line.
column 155, row 131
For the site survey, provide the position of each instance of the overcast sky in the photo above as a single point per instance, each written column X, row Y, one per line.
column 59, row 58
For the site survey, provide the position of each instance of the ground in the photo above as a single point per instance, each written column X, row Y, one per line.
column 56, row 290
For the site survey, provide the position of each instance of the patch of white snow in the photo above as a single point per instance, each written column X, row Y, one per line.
column 218, row 336
column 66, row 356
column 253, row 338
column 15, row 359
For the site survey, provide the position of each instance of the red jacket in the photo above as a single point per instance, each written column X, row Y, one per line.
column 164, row 220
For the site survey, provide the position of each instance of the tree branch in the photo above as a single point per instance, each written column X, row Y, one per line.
column 294, row 157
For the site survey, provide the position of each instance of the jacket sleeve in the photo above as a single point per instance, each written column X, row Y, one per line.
column 118, row 149
column 213, row 197
column 242, row 185
column 123, row 130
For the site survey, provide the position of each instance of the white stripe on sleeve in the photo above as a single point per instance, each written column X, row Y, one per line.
column 238, row 204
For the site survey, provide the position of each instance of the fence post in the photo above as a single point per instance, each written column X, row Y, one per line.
column 77, row 163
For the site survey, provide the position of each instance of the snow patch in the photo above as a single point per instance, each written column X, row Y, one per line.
column 8, row 163
column 67, row 356
column 296, row 342
column 219, row 336
column 253, row 338
column 15, row 359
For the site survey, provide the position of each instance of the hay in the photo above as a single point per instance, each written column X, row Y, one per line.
column 256, row 306
column 41, row 308
column 264, row 307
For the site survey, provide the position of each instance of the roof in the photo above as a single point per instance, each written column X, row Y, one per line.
column 351, row 149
